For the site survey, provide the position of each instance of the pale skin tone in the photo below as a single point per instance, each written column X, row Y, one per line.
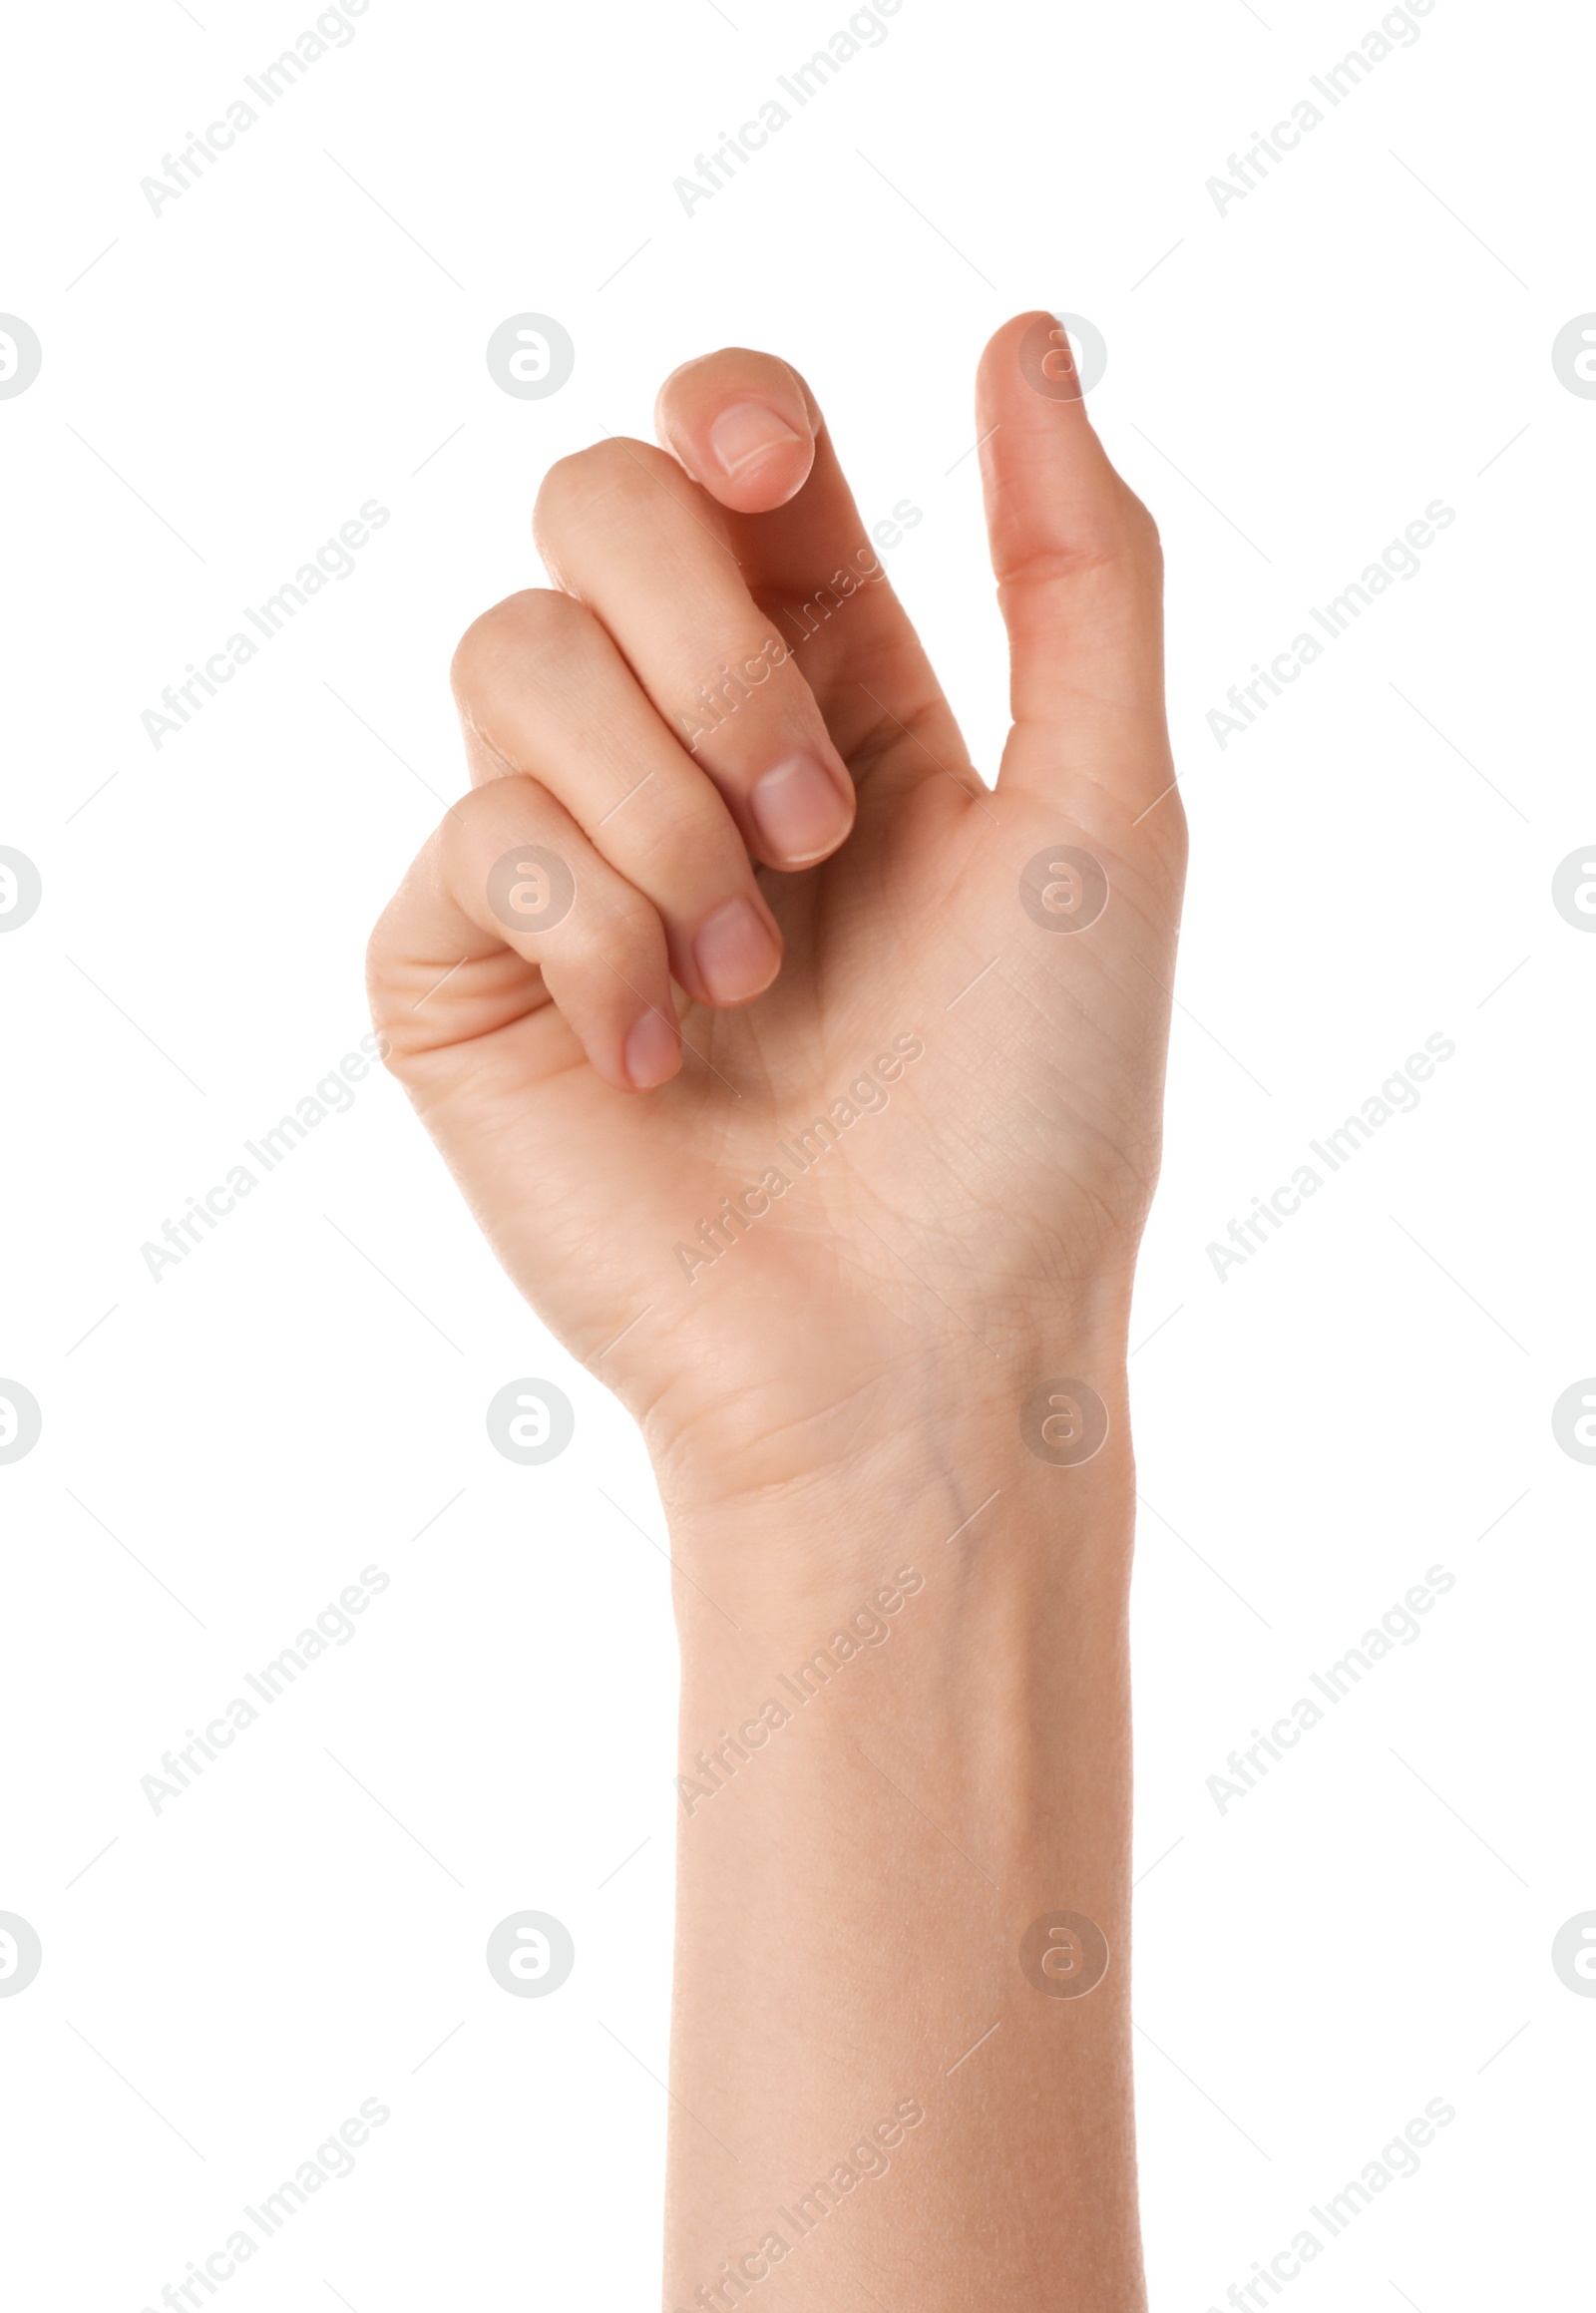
column 772, row 899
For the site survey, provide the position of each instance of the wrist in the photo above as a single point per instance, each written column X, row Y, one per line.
column 829, row 1452
column 1018, row 1500
column 949, row 1616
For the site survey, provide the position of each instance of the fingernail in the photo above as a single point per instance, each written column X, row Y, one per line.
column 652, row 1053
column 799, row 810
column 735, row 954
column 745, row 432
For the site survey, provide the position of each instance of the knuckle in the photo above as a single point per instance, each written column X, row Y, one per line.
column 613, row 930
column 1115, row 539
column 476, row 830
column 522, row 634
column 617, row 916
column 692, row 847
column 383, row 997
column 736, row 365
column 1141, row 533
column 612, row 473
column 392, row 1052
column 377, row 951
column 739, row 671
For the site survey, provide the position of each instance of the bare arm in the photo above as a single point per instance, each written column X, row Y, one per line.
column 810, row 1089
column 901, row 2057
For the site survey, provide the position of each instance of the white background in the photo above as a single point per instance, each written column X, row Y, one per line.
column 225, row 1450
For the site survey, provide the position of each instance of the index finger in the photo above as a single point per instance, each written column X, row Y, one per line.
column 749, row 431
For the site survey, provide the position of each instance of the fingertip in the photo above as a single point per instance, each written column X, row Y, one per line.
column 1003, row 345
column 1050, row 487
column 740, row 424
column 736, row 953
column 751, row 458
column 1029, row 386
column 651, row 1054
column 803, row 809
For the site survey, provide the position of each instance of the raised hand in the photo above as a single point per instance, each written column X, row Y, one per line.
column 758, row 1028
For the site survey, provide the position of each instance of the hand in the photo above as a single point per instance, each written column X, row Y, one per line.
column 811, row 1090
column 792, row 900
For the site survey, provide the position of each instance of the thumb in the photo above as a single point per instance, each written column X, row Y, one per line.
column 1079, row 576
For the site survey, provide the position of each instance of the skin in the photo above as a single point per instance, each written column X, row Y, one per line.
column 838, row 1398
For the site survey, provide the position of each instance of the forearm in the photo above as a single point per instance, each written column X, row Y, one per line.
column 905, row 1740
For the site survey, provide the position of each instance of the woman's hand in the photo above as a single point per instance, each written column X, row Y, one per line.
column 810, row 1089
column 795, row 1074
